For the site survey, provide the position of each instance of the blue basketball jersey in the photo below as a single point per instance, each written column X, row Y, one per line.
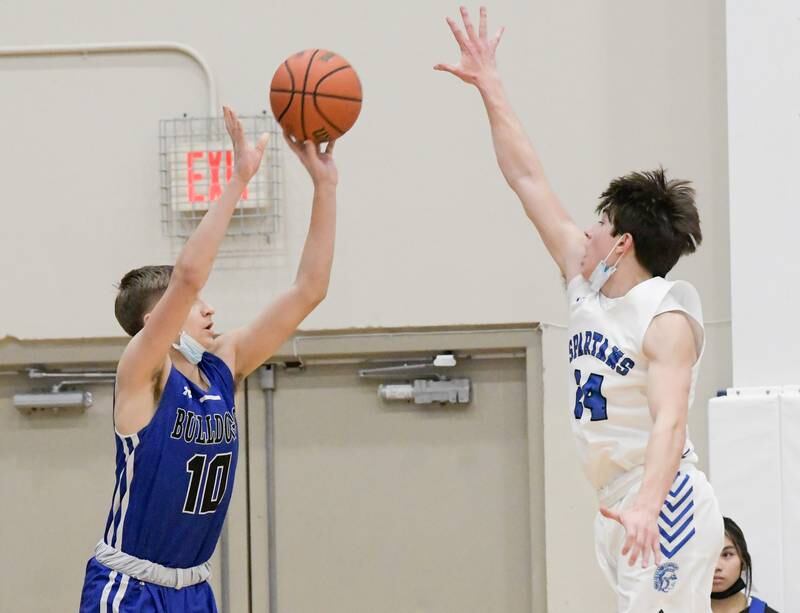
column 175, row 476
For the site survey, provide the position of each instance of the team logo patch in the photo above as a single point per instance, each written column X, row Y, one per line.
column 665, row 577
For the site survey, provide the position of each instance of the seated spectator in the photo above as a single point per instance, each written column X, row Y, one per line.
column 733, row 576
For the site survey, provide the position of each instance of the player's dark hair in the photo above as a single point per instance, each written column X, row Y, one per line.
column 139, row 291
column 660, row 214
column 734, row 532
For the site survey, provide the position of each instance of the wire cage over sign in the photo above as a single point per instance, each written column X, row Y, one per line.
column 196, row 162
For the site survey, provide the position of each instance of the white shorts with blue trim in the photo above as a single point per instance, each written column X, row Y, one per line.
column 692, row 536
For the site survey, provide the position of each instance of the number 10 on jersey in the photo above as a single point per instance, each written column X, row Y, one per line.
column 589, row 396
column 215, row 475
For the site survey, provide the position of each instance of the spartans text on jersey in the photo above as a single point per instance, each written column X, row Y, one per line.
column 596, row 345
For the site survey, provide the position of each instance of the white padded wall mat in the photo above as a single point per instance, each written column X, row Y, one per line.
column 744, row 433
column 790, row 464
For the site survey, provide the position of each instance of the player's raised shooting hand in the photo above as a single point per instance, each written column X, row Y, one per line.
column 318, row 163
column 477, row 61
column 641, row 533
column 247, row 158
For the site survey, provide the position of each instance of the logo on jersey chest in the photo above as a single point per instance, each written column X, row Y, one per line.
column 204, row 429
column 598, row 346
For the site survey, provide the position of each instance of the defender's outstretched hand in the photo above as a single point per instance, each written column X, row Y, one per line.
column 641, row 534
column 477, row 50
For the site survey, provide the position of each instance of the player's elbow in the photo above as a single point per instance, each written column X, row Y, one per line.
column 672, row 423
column 520, row 180
column 317, row 297
column 313, row 293
column 188, row 277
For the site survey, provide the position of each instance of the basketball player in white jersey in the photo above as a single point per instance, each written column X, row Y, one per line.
column 635, row 342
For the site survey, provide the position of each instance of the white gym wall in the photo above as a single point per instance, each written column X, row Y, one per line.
column 764, row 152
column 753, row 431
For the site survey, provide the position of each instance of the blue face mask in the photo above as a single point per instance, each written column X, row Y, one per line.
column 603, row 271
column 190, row 348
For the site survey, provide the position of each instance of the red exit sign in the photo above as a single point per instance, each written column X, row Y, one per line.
column 203, row 172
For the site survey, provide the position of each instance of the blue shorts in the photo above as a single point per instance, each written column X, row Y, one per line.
column 108, row 591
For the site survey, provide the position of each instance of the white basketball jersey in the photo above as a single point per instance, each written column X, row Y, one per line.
column 608, row 371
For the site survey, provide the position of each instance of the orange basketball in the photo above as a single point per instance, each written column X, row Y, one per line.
column 315, row 95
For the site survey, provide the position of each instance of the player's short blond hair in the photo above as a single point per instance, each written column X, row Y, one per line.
column 139, row 291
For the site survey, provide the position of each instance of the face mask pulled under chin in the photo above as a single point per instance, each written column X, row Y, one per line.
column 190, row 348
column 737, row 587
column 603, row 271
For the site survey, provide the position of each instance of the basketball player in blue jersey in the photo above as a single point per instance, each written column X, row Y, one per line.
column 635, row 342
column 174, row 417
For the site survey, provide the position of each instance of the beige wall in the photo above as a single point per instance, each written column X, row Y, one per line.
column 428, row 234
column 57, row 474
column 57, row 479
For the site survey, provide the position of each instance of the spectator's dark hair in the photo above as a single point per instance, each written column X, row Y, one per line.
column 734, row 532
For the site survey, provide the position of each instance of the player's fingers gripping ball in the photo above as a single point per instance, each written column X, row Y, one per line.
column 315, row 95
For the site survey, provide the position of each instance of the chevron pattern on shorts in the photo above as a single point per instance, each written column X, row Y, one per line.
column 676, row 519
